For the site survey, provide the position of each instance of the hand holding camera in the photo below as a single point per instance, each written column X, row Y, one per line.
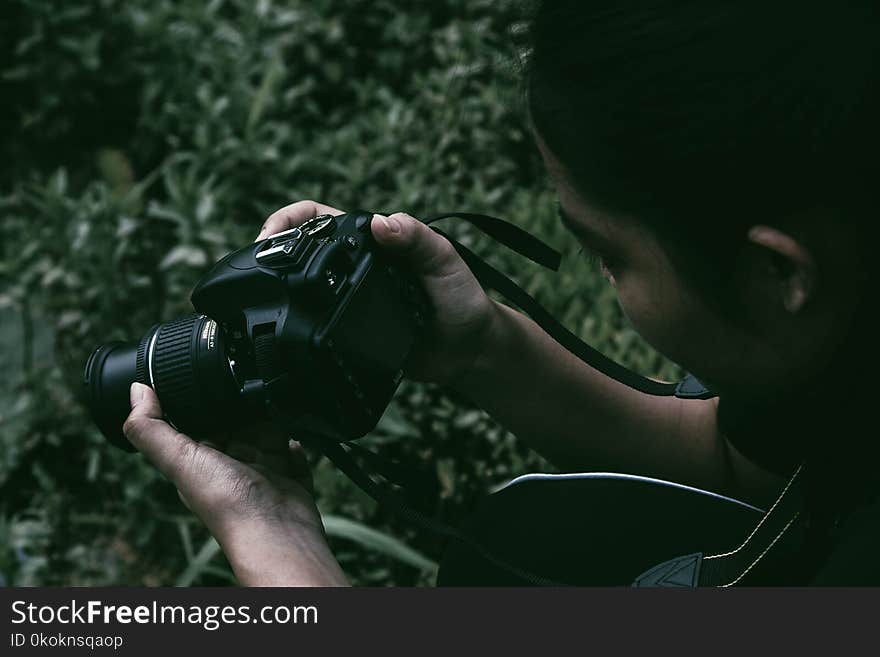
column 260, row 508
column 324, row 299
column 462, row 317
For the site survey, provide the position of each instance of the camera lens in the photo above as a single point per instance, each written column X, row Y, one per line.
column 109, row 372
column 184, row 361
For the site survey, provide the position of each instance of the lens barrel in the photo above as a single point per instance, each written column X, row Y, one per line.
column 109, row 373
column 184, row 361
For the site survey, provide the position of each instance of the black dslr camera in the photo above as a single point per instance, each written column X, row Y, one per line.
column 312, row 320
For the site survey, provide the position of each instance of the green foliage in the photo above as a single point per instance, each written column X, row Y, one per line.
column 149, row 137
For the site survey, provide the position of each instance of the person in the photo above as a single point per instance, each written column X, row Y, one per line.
column 719, row 160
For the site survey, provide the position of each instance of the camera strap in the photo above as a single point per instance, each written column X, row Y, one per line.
column 781, row 530
column 340, row 455
column 529, row 246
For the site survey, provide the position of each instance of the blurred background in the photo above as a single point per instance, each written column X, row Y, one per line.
column 143, row 140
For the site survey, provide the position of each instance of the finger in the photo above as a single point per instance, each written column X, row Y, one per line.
column 268, row 437
column 293, row 215
column 174, row 454
column 290, row 462
column 299, row 465
column 244, row 452
column 426, row 252
column 260, row 438
column 285, row 468
column 250, row 453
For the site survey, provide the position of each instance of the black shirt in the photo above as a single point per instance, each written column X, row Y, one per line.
column 823, row 427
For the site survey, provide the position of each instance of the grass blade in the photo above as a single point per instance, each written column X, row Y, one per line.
column 373, row 539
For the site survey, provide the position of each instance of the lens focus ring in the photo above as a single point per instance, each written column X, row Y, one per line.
column 172, row 363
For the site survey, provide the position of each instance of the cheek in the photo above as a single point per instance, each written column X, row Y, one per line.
column 668, row 323
column 688, row 333
column 653, row 319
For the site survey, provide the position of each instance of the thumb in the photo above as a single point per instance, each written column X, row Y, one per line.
column 426, row 252
column 170, row 451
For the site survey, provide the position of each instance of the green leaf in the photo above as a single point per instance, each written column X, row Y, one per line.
column 199, row 564
column 376, row 540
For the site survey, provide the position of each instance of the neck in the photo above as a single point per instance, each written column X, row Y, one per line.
column 821, row 422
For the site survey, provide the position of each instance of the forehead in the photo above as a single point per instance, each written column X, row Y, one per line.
column 617, row 236
column 574, row 210
column 582, row 218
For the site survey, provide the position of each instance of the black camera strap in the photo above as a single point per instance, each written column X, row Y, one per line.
column 529, row 246
column 340, row 455
column 508, row 234
column 781, row 530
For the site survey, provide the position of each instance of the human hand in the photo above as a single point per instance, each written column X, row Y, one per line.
column 463, row 317
column 262, row 513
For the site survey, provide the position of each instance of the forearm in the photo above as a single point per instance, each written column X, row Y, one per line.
column 581, row 419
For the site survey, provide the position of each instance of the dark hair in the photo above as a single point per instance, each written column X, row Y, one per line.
column 703, row 118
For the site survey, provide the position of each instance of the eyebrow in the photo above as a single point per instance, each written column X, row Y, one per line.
column 590, row 237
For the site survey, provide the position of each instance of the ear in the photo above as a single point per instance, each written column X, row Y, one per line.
column 790, row 263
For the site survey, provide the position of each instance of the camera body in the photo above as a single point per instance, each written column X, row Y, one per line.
column 318, row 320
column 314, row 320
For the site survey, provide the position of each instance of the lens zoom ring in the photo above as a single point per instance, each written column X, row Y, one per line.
column 173, row 362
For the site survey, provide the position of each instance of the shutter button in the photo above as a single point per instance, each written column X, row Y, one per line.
column 362, row 223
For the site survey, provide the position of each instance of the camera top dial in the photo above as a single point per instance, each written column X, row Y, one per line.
column 289, row 247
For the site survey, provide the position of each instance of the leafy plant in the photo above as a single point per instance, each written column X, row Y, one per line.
column 147, row 138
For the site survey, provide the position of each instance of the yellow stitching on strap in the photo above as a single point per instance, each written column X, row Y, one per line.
column 760, row 556
column 766, row 515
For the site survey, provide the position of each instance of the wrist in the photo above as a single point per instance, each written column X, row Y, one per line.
column 493, row 349
column 293, row 554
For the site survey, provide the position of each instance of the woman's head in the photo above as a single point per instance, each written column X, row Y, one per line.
column 720, row 156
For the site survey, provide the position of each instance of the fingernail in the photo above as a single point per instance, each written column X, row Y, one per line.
column 136, row 393
column 392, row 224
